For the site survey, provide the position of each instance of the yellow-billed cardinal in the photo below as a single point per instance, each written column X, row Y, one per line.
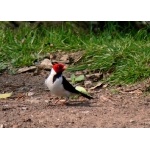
column 58, row 85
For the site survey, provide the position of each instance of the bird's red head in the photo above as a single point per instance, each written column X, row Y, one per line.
column 59, row 67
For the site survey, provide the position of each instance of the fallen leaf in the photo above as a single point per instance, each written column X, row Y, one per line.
column 81, row 89
column 98, row 85
column 6, row 95
column 26, row 69
column 79, row 78
column 138, row 92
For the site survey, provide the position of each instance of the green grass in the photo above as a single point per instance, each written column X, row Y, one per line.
column 123, row 56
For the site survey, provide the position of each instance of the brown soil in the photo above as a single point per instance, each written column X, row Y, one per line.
column 32, row 105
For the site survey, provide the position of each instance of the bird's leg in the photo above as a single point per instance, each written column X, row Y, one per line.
column 67, row 100
column 63, row 102
column 57, row 101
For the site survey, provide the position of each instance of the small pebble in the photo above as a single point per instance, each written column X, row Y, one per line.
column 24, row 108
column 132, row 121
column 30, row 93
column 1, row 126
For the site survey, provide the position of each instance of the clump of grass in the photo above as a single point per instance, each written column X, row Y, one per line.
column 125, row 56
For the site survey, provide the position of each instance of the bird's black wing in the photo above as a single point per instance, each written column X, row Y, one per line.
column 70, row 88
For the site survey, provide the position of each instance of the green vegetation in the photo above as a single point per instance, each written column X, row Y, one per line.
column 122, row 54
column 75, row 79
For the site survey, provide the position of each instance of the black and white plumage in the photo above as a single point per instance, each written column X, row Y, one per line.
column 58, row 85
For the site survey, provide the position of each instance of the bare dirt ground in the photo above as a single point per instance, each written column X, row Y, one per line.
column 32, row 105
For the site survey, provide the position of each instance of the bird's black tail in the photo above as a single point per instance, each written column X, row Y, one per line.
column 85, row 95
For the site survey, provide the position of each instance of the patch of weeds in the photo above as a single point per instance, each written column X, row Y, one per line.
column 123, row 56
column 75, row 79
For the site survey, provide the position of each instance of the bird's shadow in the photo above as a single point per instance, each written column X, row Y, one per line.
column 85, row 103
column 72, row 104
column 78, row 103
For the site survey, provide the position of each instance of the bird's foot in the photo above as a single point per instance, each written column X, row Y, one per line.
column 61, row 102
column 56, row 101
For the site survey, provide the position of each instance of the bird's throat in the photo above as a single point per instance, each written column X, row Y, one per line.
column 56, row 76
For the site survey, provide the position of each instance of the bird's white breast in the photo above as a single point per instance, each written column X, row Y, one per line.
column 56, row 87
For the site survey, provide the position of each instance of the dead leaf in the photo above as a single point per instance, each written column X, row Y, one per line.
column 138, row 92
column 26, row 69
column 6, row 95
column 98, row 85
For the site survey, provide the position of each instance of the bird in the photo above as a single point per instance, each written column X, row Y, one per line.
column 58, row 84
